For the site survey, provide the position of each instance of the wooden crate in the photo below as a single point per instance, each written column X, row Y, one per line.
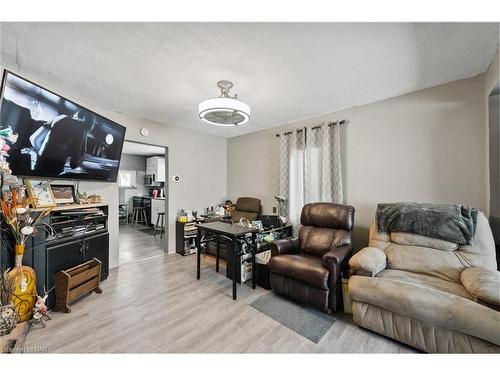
column 73, row 283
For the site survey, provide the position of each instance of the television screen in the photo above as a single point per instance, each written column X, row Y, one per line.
column 56, row 137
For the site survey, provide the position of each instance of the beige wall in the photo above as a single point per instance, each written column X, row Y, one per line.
column 426, row 146
column 199, row 159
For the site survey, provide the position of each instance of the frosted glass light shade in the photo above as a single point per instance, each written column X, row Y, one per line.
column 224, row 111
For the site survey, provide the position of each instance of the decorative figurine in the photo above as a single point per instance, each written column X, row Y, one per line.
column 40, row 311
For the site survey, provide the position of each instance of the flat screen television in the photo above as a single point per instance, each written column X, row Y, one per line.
column 57, row 138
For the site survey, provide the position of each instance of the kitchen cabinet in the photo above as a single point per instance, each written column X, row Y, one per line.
column 98, row 247
column 156, row 166
column 157, row 206
column 160, row 167
column 150, row 170
column 127, row 179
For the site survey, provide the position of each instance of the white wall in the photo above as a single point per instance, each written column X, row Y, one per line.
column 426, row 146
column 199, row 159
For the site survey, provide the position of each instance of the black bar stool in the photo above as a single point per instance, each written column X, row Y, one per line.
column 139, row 216
column 161, row 227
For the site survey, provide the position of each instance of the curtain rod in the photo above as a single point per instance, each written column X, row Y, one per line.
column 341, row 122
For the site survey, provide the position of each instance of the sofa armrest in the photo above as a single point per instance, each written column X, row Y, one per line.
column 482, row 284
column 335, row 261
column 286, row 246
column 368, row 261
column 336, row 256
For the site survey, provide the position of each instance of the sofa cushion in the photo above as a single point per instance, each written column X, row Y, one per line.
column 318, row 241
column 426, row 281
column 378, row 239
column 483, row 284
column 403, row 238
column 328, row 215
column 368, row 261
column 301, row 267
column 482, row 253
column 430, row 305
column 443, row 264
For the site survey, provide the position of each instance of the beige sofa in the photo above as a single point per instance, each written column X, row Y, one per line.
column 430, row 294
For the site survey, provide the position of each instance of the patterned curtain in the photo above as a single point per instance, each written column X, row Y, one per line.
column 323, row 165
column 292, row 174
column 310, row 169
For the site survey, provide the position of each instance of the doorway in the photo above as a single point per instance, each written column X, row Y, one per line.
column 143, row 202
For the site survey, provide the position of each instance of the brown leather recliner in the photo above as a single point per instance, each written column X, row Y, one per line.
column 308, row 269
column 247, row 207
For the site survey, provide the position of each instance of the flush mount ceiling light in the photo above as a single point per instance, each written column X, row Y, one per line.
column 224, row 110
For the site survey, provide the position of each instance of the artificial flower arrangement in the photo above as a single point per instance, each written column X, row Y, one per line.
column 17, row 215
column 22, row 224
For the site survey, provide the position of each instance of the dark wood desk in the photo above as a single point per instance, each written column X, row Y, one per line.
column 231, row 232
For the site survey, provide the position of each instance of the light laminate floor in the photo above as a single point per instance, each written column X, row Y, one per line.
column 157, row 306
column 136, row 245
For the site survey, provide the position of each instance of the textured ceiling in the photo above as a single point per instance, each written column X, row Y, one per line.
column 284, row 71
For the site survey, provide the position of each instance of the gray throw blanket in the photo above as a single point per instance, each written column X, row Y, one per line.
column 449, row 222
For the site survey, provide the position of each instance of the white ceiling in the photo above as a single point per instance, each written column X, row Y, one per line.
column 134, row 148
column 284, row 71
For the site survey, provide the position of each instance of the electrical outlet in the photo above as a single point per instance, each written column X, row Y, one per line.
column 274, row 210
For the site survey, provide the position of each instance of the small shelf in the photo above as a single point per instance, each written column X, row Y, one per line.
column 66, row 225
column 185, row 243
column 71, row 207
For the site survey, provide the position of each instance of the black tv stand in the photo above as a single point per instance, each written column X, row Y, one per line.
column 77, row 238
